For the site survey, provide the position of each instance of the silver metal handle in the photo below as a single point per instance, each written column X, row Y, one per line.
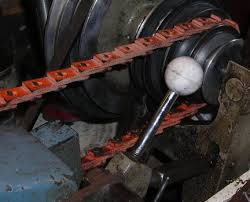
column 154, row 124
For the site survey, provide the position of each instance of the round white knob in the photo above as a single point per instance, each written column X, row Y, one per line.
column 184, row 76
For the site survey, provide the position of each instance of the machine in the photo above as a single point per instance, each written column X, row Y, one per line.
column 171, row 75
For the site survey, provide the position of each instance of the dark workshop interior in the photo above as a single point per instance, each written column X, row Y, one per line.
column 125, row 101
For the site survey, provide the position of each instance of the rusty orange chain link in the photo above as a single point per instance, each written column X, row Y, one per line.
column 79, row 71
column 94, row 159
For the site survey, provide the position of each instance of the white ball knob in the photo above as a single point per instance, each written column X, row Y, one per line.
column 184, row 75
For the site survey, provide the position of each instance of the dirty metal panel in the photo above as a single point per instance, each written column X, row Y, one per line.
column 223, row 132
column 29, row 171
column 63, row 141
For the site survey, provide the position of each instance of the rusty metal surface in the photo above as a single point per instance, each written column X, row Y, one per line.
column 97, row 179
column 103, row 186
column 79, row 71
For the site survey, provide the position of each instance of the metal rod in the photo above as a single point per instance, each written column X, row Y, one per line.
column 162, row 189
column 154, row 124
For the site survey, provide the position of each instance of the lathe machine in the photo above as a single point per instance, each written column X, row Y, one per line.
column 124, row 100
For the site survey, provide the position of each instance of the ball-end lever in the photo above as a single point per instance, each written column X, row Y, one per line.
column 183, row 77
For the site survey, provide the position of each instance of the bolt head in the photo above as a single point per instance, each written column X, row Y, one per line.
column 234, row 89
column 184, row 76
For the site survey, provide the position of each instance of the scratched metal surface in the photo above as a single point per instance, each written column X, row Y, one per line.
column 53, row 134
column 29, row 171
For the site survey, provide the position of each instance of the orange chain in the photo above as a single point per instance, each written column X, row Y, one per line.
column 79, row 71
column 93, row 159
